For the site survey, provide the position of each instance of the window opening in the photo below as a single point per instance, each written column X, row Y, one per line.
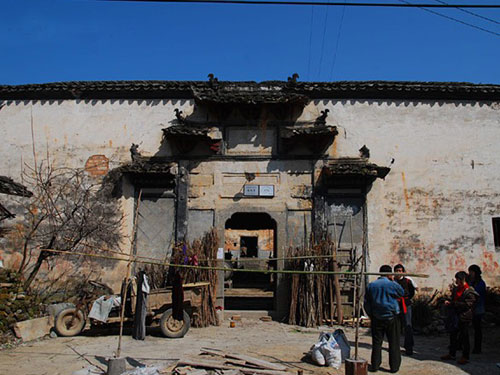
column 496, row 231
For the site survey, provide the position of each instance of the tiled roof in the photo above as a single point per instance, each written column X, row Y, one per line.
column 351, row 167
column 8, row 186
column 251, row 92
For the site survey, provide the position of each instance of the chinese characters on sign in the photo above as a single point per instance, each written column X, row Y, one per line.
column 258, row 190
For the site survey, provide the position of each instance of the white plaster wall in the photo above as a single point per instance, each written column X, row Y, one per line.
column 433, row 211
column 73, row 130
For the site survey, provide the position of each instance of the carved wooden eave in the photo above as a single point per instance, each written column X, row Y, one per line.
column 144, row 171
column 251, row 99
column 185, row 137
column 252, row 94
column 356, row 170
column 316, row 138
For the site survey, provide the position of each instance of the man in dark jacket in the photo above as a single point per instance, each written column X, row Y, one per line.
column 381, row 304
column 463, row 301
column 405, row 307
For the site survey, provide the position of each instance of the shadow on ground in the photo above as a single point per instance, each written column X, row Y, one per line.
column 430, row 348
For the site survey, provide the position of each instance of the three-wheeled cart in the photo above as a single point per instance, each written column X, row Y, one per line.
column 71, row 321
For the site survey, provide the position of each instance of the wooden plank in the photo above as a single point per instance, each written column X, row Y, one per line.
column 261, row 371
column 257, row 362
column 251, row 360
column 194, row 285
column 204, row 364
column 217, row 352
column 247, row 292
column 235, row 362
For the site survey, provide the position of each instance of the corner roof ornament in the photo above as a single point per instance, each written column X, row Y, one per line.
column 293, row 79
column 321, row 120
column 213, row 81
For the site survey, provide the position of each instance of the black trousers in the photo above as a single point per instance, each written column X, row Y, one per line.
column 478, row 332
column 406, row 324
column 460, row 337
column 391, row 329
column 139, row 327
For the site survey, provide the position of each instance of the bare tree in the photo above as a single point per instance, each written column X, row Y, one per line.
column 69, row 211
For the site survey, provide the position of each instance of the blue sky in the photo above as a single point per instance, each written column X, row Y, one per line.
column 63, row 40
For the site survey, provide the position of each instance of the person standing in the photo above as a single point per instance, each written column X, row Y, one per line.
column 477, row 282
column 381, row 304
column 463, row 300
column 405, row 307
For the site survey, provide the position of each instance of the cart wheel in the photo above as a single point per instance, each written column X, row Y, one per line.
column 173, row 328
column 69, row 322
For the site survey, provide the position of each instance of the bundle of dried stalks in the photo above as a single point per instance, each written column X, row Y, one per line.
column 311, row 295
column 157, row 275
column 200, row 252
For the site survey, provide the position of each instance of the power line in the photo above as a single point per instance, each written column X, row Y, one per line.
column 337, row 43
column 310, row 42
column 471, row 13
column 319, row 3
column 454, row 19
column 323, row 43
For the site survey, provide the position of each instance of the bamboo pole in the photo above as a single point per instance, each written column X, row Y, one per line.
column 212, row 260
column 340, row 312
column 358, row 308
column 66, row 252
column 127, row 277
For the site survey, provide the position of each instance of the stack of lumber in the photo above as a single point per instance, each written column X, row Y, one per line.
column 228, row 364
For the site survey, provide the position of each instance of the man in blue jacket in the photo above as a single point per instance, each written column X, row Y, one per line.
column 381, row 304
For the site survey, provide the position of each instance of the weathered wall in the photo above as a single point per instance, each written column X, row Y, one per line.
column 433, row 211
column 69, row 133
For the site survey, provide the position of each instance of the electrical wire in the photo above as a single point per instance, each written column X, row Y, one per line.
column 337, row 43
column 323, row 44
column 310, row 42
column 471, row 13
column 454, row 19
column 319, row 3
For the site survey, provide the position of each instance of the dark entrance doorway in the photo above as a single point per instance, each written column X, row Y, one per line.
column 250, row 242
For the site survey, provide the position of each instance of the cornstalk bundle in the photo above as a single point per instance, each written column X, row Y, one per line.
column 311, row 295
column 200, row 252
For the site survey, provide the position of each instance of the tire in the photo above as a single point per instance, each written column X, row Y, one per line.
column 173, row 328
column 69, row 322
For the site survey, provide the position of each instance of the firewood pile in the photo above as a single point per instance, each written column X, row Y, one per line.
column 312, row 296
column 223, row 363
column 198, row 253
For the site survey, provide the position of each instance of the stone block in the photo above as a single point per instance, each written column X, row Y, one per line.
column 201, row 180
column 33, row 329
column 196, row 192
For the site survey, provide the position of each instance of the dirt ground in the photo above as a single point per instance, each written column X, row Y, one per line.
column 271, row 341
